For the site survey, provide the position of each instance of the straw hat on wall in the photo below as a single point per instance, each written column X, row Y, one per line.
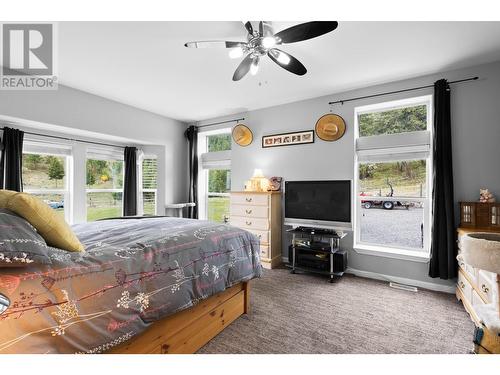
column 242, row 135
column 330, row 127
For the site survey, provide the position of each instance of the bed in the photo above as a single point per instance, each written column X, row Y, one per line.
column 155, row 285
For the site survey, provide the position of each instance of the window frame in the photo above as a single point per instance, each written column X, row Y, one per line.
column 405, row 146
column 35, row 147
column 207, row 161
column 108, row 155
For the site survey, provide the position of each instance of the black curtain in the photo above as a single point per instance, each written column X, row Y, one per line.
column 130, row 183
column 192, row 136
column 12, row 159
column 443, row 263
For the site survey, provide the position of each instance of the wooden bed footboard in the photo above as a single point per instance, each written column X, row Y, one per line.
column 187, row 331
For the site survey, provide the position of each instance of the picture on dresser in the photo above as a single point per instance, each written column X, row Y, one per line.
column 288, row 139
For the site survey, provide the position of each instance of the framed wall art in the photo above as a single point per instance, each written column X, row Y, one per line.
column 288, row 139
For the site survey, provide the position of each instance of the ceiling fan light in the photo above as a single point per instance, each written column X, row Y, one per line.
column 268, row 42
column 254, row 68
column 236, row 53
column 283, row 58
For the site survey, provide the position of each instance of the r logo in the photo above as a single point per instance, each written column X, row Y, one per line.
column 27, row 49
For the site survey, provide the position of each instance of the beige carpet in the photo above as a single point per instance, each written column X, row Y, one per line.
column 303, row 313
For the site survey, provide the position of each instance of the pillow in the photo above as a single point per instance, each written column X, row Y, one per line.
column 20, row 244
column 51, row 227
column 5, row 195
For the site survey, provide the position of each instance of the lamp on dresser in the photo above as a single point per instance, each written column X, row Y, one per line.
column 260, row 214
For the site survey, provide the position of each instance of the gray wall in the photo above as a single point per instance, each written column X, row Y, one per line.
column 78, row 110
column 476, row 138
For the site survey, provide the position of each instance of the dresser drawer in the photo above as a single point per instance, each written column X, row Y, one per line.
column 249, row 211
column 476, row 299
column 262, row 235
column 264, row 252
column 468, row 269
column 250, row 223
column 464, row 286
column 485, row 285
column 250, row 199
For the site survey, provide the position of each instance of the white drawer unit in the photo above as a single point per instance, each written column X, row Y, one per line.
column 262, row 235
column 264, row 252
column 476, row 299
column 260, row 214
column 486, row 283
column 469, row 270
column 252, row 199
column 246, row 210
column 250, row 223
column 464, row 285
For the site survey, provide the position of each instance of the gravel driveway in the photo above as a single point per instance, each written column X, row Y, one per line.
column 397, row 227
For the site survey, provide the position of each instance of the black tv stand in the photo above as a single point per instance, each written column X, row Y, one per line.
column 317, row 250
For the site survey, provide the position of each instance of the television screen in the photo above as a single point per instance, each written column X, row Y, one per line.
column 318, row 200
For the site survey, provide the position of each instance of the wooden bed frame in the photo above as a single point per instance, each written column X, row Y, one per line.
column 187, row 331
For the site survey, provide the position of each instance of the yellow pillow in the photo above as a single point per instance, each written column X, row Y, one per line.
column 5, row 195
column 51, row 227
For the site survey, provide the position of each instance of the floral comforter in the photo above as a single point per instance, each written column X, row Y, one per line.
column 133, row 272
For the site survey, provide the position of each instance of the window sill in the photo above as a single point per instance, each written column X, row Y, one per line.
column 414, row 256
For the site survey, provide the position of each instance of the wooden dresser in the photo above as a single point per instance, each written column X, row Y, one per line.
column 260, row 213
column 475, row 286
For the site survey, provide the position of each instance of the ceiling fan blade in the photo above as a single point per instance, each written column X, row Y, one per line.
column 249, row 27
column 214, row 44
column 261, row 28
column 243, row 68
column 267, row 29
column 287, row 61
column 306, row 31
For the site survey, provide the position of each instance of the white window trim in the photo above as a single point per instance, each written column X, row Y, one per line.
column 392, row 252
column 403, row 146
column 206, row 161
column 54, row 149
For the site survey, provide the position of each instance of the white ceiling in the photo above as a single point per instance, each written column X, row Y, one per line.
column 144, row 64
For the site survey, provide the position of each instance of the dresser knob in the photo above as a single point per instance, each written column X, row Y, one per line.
column 248, row 199
column 248, row 211
column 485, row 289
column 248, row 222
column 462, row 285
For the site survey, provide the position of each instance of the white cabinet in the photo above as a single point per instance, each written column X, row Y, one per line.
column 260, row 214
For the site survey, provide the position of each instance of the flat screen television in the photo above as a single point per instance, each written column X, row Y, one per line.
column 321, row 204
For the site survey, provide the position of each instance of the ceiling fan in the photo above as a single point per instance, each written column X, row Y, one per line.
column 263, row 42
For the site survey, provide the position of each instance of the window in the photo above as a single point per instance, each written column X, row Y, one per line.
column 148, row 194
column 104, row 186
column 393, row 177
column 393, row 121
column 219, row 186
column 45, row 173
column 214, row 180
column 218, row 142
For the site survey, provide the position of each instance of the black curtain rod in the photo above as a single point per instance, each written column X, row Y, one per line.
column 71, row 139
column 222, row 122
column 398, row 91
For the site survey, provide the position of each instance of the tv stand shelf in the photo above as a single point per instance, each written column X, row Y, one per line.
column 314, row 250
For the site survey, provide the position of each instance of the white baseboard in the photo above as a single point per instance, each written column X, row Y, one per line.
column 401, row 280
